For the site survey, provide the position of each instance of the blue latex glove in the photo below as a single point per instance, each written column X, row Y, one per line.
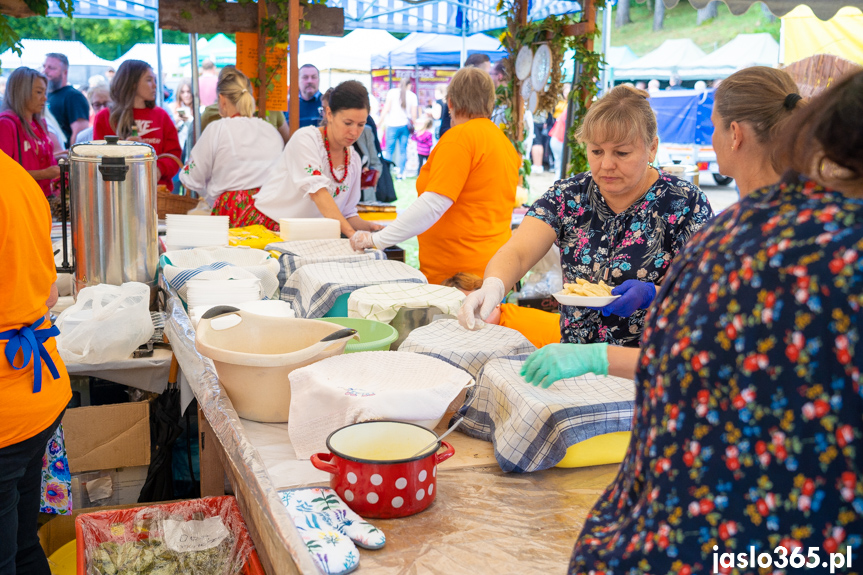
column 634, row 295
column 562, row 360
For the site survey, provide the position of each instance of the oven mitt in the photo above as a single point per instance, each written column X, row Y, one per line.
column 330, row 529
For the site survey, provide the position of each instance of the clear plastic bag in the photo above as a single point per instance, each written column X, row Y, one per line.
column 198, row 537
column 106, row 323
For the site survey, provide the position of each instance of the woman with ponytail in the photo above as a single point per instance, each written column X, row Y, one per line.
column 136, row 117
column 232, row 160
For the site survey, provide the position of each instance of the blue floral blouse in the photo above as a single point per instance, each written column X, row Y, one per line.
column 747, row 428
column 597, row 244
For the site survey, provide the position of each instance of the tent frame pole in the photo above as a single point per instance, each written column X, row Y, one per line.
column 606, row 45
column 196, row 96
column 159, row 77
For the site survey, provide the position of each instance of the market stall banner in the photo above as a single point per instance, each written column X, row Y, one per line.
column 424, row 82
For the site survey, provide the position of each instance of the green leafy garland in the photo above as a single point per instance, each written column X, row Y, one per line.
column 584, row 91
column 550, row 31
column 10, row 38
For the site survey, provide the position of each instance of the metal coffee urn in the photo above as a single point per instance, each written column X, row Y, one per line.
column 113, row 212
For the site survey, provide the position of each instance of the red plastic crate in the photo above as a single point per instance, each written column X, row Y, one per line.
column 126, row 517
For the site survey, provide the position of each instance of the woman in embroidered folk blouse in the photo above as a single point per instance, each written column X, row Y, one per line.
column 318, row 175
column 621, row 222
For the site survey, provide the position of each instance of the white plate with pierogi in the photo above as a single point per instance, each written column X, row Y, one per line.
column 583, row 293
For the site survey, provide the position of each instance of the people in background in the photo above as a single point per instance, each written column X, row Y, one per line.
column 621, row 222
column 746, row 431
column 556, row 138
column 369, row 156
column 182, row 110
column 653, row 86
column 466, row 189
column 398, row 115
column 318, row 175
column 232, row 159
column 34, row 383
column 311, row 111
column 68, row 106
column 135, row 116
column 109, row 74
column 478, row 60
column 424, row 138
column 674, row 83
column 207, row 83
column 99, row 97
column 23, row 132
column 276, row 119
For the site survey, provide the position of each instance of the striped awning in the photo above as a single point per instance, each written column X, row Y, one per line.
column 118, row 9
column 440, row 16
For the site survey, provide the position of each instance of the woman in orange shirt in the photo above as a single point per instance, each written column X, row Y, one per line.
column 463, row 214
column 34, row 384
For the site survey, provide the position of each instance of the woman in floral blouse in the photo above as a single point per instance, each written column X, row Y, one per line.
column 747, row 435
column 621, row 222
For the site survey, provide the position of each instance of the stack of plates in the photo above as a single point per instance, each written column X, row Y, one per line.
column 222, row 292
column 292, row 229
column 195, row 231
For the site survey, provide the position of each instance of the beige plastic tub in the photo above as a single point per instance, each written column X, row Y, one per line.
column 254, row 358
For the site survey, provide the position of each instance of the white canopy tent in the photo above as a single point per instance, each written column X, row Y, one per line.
column 743, row 51
column 82, row 62
column 662, row 62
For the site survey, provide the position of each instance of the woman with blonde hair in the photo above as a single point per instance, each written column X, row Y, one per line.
column 232, row 159
column 135, row 116
column 621, row 222
column 463, row 214
column 746, row 445
column 23, row 132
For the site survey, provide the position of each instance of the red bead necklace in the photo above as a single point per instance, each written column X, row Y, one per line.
column 330, row 161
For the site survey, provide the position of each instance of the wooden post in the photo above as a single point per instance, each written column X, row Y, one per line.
column 518, row 113
column 262, row 61
column 293, row 50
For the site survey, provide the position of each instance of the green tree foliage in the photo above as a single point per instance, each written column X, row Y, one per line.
column 108, row 39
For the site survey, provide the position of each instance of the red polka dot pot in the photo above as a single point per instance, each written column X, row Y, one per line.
column 374, row 469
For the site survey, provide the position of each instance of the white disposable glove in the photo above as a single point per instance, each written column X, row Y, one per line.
column 361, row 240
column 478, row 305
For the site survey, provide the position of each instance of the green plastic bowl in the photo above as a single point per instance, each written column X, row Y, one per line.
column 374, row 335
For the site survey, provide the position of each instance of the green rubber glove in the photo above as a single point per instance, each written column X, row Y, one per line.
column 562, row 360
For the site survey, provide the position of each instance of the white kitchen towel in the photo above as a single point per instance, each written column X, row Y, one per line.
column 383, row 302
column 374, row 385
column 219, row 263
column 313, row 289
column 304, row 252
column 531, row 428
column 469, row 350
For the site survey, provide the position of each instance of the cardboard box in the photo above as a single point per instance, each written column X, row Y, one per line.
column 124, row 486
column 107, row 436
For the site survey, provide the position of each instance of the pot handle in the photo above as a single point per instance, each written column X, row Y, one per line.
column 440, row 457
column 321, row 461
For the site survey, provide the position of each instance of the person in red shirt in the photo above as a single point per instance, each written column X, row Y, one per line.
column 136, row 117
column 23, row 133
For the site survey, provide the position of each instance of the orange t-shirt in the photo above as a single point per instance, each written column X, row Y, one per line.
column 539, row 327
column 25, row 285
column 476, row 167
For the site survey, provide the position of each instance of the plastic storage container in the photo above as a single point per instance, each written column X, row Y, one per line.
column 374, row 335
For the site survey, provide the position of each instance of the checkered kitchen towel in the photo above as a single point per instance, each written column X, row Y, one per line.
column 313, row 289
column 531, row 428
column 469, row 350
column 383, row 302
column 220, row 263
column 304, row 252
